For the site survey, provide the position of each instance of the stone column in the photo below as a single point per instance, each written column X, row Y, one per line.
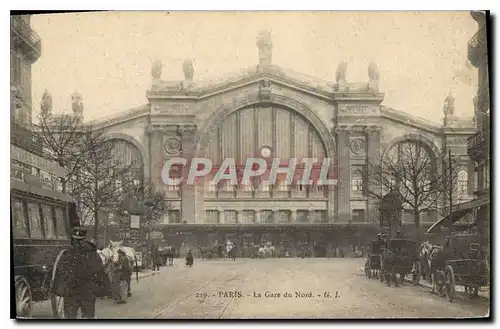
column 373, row 151
column 330, row 213
column 189, row 203
column 293, row 215
column 221, row 216
column 156, row 154
column 239, row 217
column 344, row 175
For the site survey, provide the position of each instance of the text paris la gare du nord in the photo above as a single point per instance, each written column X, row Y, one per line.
column 305, row 171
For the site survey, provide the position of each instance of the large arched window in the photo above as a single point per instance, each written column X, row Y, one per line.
column 282, row 131
column 128, row 159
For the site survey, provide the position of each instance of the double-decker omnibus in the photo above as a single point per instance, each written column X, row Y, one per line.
column 42, row 217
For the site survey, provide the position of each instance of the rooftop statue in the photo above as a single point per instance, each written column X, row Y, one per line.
column 156, row 70
column 373, row 72
column 46, row 104
column 188, row 70
column 265, row 44
column 77, row 103
column 340, row 75
column 449, row 105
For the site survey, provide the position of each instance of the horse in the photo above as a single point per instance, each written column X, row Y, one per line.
column 112, row 250
column 168, row 252
column 387, row 267
column 427, row 253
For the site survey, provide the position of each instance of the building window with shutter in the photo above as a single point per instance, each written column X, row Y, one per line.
column 174, row 217
column 302, row 216
column 462, row 184
column 283, row 186
column 266, row 217
column 212, row 186
column 358, row 216
column 172, row 186
column 357, row 183
column 248, row 216
column 228, row 187
column 212, row 216
column 230, row 216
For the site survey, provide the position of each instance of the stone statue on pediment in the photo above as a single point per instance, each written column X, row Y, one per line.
column 77, row 104
column 187, row 66
column 340, row 74
column 46, row 103
column 449, row 105
column 265, row 45
column 156, row 70
column 373, row 72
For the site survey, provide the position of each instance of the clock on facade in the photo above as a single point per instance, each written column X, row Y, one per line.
column 265, row 151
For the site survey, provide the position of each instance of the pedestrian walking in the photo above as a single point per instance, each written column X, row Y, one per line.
column 156, row 258
column 121, row 273
column 189, row 258
column 81, row 277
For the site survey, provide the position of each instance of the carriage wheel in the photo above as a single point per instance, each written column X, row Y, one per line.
column 24, row 299
column 450, row 283
column 56, row 301
column 471, row 291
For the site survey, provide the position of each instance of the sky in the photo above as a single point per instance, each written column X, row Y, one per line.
column 107, row 56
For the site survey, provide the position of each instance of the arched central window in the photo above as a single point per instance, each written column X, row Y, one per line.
column 282, row 131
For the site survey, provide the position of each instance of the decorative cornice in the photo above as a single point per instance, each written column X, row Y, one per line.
column 162, row 128
column 120, row 117
column 187, row 130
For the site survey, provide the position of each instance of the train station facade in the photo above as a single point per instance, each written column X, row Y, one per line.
column 270, row 112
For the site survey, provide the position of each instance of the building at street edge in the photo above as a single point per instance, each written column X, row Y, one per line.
column 291, row 115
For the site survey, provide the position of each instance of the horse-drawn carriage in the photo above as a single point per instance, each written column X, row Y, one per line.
column 372, row 265
column 399, row 257
column 41, row 220
column 460, row 262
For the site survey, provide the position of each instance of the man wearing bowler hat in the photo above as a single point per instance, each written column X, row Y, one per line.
column 81, row 277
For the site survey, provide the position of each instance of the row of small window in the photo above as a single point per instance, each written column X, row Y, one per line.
column 19, row 170
column 264, row 187
column 38, row 221
column 265, row 217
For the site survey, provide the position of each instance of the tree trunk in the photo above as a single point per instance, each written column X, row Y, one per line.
column 96, row 224
column 417, row 225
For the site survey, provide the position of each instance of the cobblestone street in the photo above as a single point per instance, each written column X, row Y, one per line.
column 328, row 288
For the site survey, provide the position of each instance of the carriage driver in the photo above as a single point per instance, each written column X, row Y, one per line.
column 80, row 277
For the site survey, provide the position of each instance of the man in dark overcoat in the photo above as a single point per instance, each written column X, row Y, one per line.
column 80, row 276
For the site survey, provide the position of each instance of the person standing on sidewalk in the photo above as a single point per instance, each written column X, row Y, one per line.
column 121, row 274
column 156, row 258
column 81, row 277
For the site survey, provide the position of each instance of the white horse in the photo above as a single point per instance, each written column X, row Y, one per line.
column 110, row 256
column 428, row 251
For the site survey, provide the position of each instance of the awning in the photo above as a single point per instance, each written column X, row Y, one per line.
column 460, row 211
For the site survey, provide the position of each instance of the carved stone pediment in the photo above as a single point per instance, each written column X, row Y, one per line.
column 175, row 108
column 456, row 140
column 357, row 109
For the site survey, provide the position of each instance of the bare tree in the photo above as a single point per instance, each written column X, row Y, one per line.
column 151, row 202
column 412, row 173
column 101, row 177
column 450, row 188
column 60, row 136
